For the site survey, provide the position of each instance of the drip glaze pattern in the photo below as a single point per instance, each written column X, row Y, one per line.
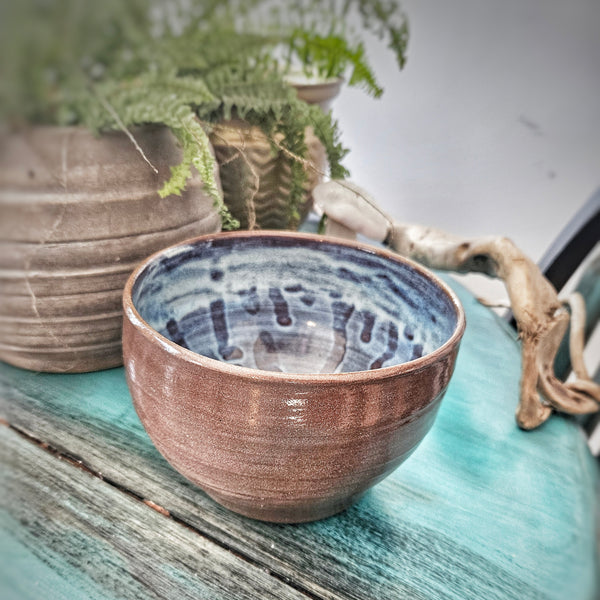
column 278, row 305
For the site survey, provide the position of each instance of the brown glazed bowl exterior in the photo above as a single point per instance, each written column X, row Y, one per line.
column 277, row 446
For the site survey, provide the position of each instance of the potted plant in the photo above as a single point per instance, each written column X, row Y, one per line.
column 313, row 47
column 78, row 211
column 158, row 84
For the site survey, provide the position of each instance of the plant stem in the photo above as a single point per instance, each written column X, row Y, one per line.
column 113, row 113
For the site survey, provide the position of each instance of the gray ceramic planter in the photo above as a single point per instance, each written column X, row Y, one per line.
column 77, row 213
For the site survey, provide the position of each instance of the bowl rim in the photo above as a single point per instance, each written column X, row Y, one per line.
column 418, row 364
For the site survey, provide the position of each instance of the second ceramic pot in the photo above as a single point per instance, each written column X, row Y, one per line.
column 256, row 181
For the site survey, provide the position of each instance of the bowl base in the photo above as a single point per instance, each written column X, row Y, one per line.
column 287, row 512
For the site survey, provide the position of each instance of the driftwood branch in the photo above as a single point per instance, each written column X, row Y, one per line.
column 542, row 318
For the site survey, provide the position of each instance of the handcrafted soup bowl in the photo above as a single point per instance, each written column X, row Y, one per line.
column 287, row 373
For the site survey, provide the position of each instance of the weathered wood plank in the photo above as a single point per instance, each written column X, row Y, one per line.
column 67, row 534
column 481, row 509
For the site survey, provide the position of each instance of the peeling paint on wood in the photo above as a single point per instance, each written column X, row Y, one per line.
column 481, row 510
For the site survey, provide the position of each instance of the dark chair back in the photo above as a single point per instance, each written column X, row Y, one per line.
column 572, row 263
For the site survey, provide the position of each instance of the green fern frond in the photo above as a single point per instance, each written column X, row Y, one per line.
column 197, row 151
column 329, row 56
column 166, row 102
column 201, row 52
column 387, row 21
column 362, row 74
column 327, row 130
column 293, row 125
column 261, row 99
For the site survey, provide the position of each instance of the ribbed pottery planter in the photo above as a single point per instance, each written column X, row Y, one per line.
column 256, row 182
column 77, row 214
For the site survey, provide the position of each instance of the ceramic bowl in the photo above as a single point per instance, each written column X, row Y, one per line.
column 287, row 373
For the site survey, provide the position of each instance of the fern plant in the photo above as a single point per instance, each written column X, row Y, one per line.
column 323, row 38
column 187, row 65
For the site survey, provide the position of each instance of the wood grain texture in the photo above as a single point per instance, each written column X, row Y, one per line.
column 67, row 534
column 481, row 510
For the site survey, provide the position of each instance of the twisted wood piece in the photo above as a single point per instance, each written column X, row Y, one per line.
column 542, row 318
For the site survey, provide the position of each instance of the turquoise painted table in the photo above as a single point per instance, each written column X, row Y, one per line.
column 90, row 510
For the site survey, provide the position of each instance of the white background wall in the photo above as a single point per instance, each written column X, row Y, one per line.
column 493, row 126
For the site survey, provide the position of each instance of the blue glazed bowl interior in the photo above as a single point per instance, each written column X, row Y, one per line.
column 293, row 304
